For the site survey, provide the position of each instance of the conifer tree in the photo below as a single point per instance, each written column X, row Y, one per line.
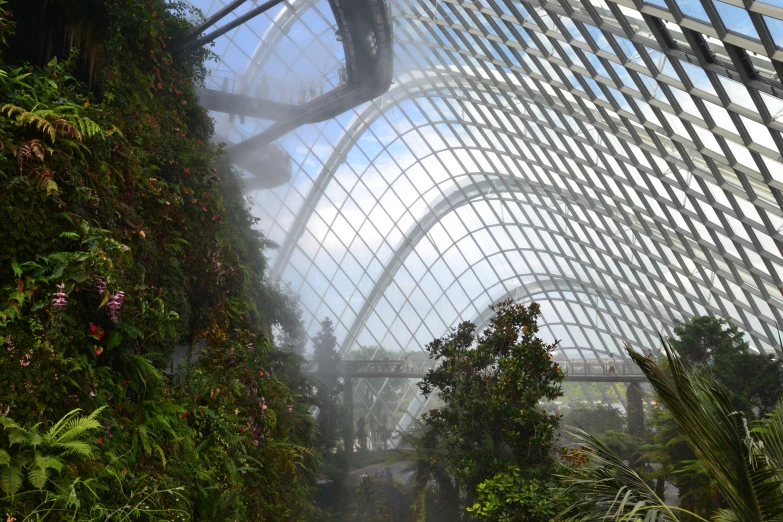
column 328, row 386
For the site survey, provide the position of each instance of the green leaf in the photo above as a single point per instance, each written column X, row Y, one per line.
column 5, row 458
column 39, row 305
column 16, row 268
column 70, row 235
column 114, row 340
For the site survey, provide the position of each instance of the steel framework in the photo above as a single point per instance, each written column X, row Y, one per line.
column 618, row 161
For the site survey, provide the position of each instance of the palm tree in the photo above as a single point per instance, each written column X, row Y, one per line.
column 746, row 464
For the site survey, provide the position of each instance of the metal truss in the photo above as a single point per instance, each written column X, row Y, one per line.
column 617, row 161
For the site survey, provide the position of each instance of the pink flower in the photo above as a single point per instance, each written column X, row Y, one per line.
column 114, row 305
column 101, row 284
column 92, row 393
column 25, row 361
column 290, row 409
column 60, row 298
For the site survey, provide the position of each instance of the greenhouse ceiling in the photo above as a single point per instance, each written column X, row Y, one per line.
column 618, row 162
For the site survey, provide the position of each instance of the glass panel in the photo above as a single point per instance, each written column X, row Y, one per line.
column 693, row 8
column 736, row 20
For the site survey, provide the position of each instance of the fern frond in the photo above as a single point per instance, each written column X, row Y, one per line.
column 18, row 436
column 23, row 118
column 79, row 426
column 5, row 458
column 61, row 424
column 44, row 178
column 63, row 127
column 87, row 127
column 83, row 449
column 40, row 471
column 11, row 479
column 30, row 149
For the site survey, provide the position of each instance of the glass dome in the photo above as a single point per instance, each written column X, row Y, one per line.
column 618, row 162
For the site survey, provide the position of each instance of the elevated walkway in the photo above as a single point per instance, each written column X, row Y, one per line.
column 591, row 370
column 365, row 29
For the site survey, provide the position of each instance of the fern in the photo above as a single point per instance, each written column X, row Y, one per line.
column 40, row 472
column 87, row 127
column 63, row 121
column 23, row 118
column 39, row 455
column 11, row 480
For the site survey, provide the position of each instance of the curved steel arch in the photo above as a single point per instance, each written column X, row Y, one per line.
column 696, row 236
column 419, row 231
column 275, row 33
column 545, row 285
column 361, row 123
column 416, row 231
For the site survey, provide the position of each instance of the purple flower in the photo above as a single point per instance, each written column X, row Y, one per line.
column 290, row 409
column 114, row 305
column 60, row 299
column 25, row 361
column 101, row 284
column 10, row 344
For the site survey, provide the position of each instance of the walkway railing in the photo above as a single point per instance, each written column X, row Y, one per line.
column 579, row 370
column 263, row 88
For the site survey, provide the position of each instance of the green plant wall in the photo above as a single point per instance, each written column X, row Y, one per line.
column 122, row 233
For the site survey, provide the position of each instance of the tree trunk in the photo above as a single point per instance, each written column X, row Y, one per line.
column 660, row 487
column 635, row 410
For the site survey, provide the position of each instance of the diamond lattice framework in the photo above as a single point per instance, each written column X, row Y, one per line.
column 617, row 161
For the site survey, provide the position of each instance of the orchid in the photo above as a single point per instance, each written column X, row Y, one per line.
column 114, row 305
column 60, row 298
column 100, row 283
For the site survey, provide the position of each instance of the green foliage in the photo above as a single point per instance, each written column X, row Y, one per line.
column 509, row 497
column 330, row 417
column 29, row 457
column 594, row 419
column 371, row 502
column 113, row 186
column 742, row 462
column 754, row 381
column 491, row 386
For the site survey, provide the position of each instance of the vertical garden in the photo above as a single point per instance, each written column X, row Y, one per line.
column 122, row 235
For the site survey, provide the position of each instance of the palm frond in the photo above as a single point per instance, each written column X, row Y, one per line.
column 719, row 437
column 610, row 490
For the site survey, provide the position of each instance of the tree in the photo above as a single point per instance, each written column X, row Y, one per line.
column 595, row 419
column 743, row 462
column 328, row 386
column 491, row 386
column 361, row 433
column 754, row 380
column 635, row 409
